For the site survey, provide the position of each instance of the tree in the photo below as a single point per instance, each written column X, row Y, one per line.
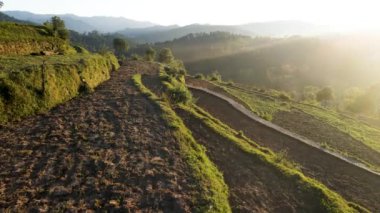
column 363, row 104
column 326, row 94
column 309, row 94
column 57, row 27
column 1, row 4
column 121, row 46
column 150, row 54
column 165, row 56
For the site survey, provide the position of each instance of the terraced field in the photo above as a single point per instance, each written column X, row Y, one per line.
column 344, row 178
column 108, row 150
column 139, row 144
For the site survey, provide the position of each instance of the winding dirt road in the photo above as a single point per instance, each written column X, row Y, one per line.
column 354, row 182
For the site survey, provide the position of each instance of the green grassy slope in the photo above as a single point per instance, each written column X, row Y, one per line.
column 213, row 195
column 31, row 84
column 23, row 39
column 325, row 199
column 21, row 91
column 331, row 129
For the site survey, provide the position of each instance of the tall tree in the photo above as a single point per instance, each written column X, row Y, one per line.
column 121, row 46
column 150, row 54
column 57, row 27
column 165, row 56
column 325, row 94
column 1, row 4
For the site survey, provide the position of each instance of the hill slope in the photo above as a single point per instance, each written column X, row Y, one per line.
column 346, row 178
column 294, row 63
column 109, row 150
column 124, row 148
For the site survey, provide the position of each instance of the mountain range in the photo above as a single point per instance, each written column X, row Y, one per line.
column 147, row 32
column 83, row 24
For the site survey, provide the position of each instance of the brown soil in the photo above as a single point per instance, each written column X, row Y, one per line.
column 351, row 182
column 107, row 150
column 318, row 131
column 253, row 185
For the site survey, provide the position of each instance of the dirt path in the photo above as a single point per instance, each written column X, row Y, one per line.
column 354, row 183
column 106, row 150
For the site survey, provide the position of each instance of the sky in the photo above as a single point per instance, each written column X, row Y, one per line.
column 345, row 14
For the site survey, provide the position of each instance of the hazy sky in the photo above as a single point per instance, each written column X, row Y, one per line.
column 343, row 13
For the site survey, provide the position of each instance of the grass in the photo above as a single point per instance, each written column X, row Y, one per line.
column 267, row 105
column 175, row 87
column 265, row 108
column 22, row 39
column 22, row 32
column 21, row 80
column 356, row 129
column 213, row 192
column 326, row 199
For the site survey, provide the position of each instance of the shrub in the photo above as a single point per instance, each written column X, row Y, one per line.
column 165, row 56
column 150, row 54
column 325, row 94
column 230, row 83
column 135, row 57
column 180, row 94
column 57, row 28
column 121, row 46
column 284, row 96
column 80, row 49
column 199, row 76
column 215, row 76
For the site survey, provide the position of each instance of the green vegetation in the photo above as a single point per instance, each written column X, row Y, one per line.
column 213, row 192
column 174, row 82
column 40, row 69
column 325, row 94
column 198, row 46
column 31, row 84
column 121, row 47
column 165, row 56
column 269, row 104
column 95, row 41
column 265, row 107
column 326, row 200
column 56, row 27
column 150, row 54
column 22, row 39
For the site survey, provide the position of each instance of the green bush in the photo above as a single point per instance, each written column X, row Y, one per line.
column 80, row 49
column 215, row 76
column 165, row 56
column 199, row 76
column 150, row 54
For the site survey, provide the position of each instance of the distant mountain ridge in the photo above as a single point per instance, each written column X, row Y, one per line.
column 5, row 17
column 147, row 32
column 271, row 29
column 83, row 24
